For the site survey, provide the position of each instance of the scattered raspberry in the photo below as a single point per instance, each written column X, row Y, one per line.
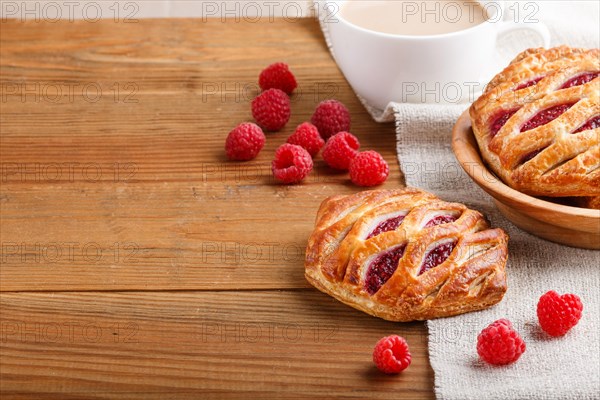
column 558, row 314
column 391, row 354
column 291, row 164
column 340, row 150
column 331, row 117
column 307, row 136
column 244, row 142
column 500, row 344
column 369, row 169
column 271, row 109
column 277, row 76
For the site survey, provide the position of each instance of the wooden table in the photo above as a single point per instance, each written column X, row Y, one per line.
column 136, row 261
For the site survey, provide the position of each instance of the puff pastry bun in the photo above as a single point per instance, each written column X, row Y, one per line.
column 406, row 255
column 537, row 123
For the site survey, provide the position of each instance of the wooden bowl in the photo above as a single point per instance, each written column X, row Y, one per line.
column 572, row 226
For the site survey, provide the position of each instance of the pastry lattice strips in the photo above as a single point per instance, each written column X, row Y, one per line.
column 406, row 255
column 538, row 122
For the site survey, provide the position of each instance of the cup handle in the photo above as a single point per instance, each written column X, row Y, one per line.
column 539, row 28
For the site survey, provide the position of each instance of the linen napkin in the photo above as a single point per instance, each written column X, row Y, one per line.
column 563, row 368
column 551, row 368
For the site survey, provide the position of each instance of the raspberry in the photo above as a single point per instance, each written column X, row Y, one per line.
column 369, row 169
column 391, row 354
column 558, row 314
column 307, row 136
column 277, row 76
column 499, row 343
column 340, row 149
column 244, row 142
column 271, row 109
column 331, row 117
column 291, row 164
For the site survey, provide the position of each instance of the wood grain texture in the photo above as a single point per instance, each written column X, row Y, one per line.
column 288, row 344
column 152, row 176
column 121, row 214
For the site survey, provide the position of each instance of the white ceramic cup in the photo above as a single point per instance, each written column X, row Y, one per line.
column 443, row 68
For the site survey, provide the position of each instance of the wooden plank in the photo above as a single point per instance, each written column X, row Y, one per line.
column 149, row 178
column 229, row 344
column 96, row 195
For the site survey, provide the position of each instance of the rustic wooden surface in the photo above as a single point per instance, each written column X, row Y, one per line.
column 136, row 261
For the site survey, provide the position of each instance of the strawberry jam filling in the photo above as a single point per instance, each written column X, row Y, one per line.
column 500, row 120
column 529, row 83
column 441, row 219
column 437, row 256
column 591, row 124
column 580, row 80
column 383, row 268
column 545, row 116
column 387, row 225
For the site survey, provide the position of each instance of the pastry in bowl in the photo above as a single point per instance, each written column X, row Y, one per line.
column 537, row 123
column 406, row 255
column 588, row 202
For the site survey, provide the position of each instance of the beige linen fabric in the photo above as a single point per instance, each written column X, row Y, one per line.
column 551, row 368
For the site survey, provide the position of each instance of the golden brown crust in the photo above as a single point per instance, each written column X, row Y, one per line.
column 340, row 256
column 551, row 159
